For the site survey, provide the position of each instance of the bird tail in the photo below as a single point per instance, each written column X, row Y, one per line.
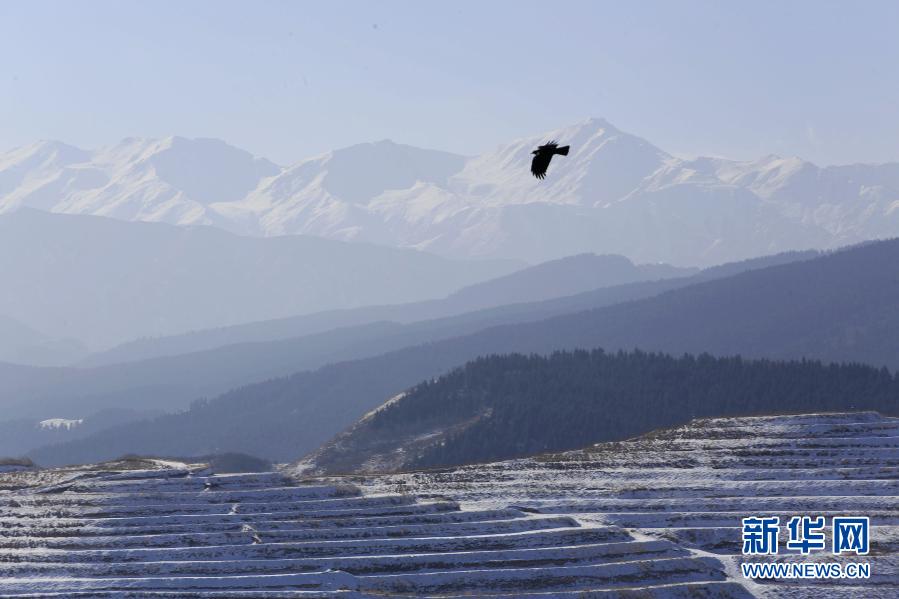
column 563, row 150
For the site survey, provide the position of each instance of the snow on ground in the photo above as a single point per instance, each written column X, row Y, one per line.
column 692, row 485
column 58, row 423
column 656, row 516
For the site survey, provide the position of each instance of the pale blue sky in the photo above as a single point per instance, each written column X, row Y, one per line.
column 289, row 79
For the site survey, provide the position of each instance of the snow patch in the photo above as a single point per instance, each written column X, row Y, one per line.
column 60, row 423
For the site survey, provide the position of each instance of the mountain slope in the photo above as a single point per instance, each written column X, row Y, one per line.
column 557, row 278
column 839, row 307
column 104, row 281
column 503, row 407
column 615, row 193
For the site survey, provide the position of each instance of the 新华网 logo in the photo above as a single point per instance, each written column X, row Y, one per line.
column 805, row 534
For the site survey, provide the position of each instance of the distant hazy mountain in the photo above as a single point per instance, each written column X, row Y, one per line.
column 105, row 281
column 502, row 407
column 21, row 344
column 169, row 382
column 839, row 307
column 613, row 194
column 556, row 278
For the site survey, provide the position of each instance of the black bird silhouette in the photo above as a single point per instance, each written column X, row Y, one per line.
column 542, row 156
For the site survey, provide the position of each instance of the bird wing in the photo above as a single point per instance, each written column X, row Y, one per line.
column 549, row 147
column 540, row 163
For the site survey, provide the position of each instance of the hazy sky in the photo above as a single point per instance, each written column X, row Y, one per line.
column 290, row 79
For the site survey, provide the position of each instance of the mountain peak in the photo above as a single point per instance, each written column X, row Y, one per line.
column 599, row 123
column 54, row 145
column 59, row 152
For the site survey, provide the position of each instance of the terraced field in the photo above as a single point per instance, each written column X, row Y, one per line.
column 692, row 485
column 653, row 517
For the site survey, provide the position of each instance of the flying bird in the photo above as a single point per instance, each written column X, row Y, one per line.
column 542, row 156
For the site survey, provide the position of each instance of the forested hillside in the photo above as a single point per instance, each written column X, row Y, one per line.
column 501, row 407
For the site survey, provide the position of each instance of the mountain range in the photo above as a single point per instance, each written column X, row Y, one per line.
column 166, row 373
column 838, row 307
column 614, row 194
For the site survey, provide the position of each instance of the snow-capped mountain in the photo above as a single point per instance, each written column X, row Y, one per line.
column 336, row 195
column 614, row 193
column 172, row 180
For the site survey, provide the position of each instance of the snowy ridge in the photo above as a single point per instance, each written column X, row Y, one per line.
column 656, row 516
